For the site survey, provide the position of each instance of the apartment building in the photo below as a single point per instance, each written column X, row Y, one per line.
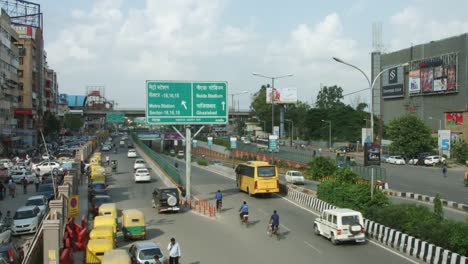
column 9, row 89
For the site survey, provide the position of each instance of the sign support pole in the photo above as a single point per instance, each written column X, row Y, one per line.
column 188, row 161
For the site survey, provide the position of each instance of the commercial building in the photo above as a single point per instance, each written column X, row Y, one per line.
column 9, row 90
column 433, row 85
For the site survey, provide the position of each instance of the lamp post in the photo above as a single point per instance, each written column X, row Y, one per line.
column 329, row 132
column 371, row 87
column 272, row 78
column 440, row 122
column 291, row 129
column 232, row 99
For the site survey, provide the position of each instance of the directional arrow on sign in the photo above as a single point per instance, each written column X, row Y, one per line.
column 183, row 103
column 223, row 103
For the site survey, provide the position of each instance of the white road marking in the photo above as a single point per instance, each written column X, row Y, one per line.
column 314, row 248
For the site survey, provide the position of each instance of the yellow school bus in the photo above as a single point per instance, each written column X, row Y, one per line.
column 257, row 177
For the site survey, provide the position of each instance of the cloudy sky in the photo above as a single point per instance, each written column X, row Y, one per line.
column 121, row 43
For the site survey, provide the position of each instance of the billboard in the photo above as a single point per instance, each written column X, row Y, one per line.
column 281, row 95
column 444, row 142
column 453, row 119
column 25, row 31
column 451, row 77
column 371, row 154
column 392, row 83
column 365, row 135
column 414, row 81
column 427, row 78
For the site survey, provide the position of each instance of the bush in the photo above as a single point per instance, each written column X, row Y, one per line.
column 202, row 162
column 321, row 167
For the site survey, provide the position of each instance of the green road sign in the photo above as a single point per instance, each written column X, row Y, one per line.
column 273, row 142
column 139, row 120
column 173, row 102
column 115, row 117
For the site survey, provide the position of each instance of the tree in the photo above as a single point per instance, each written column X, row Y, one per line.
column 261, row 109
column 329, row 97
column 460, row 151
column 72, row 122
column 321, row 167
column 51, row 124
column 410, row 136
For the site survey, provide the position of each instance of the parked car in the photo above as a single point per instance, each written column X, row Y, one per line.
column 419, row 159
column 413, row 161
column 166, row 199
column 294, row 177
column 384, row 158
column 6, row 163
column 39, row 201
column 396, row 160
column 46, row 166
column 433, row 160
column 97, row 201
column 142, row 175
column 180, row 154
column 47, row 189
column 144, row 251
column 139, row 163
column 9, row 254
column 131, row 153
column 46, row 156
column 340, row 225
column 26, row 220
column 172, row 152
column 97, row 188
column 17, row 176
column 106, row 147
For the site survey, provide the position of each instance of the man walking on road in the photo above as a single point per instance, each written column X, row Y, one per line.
column 25, row 185
column 444, row 170
column 174, row 252
column 37, row 181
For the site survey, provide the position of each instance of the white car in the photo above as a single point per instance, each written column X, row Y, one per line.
column 39, row 201
column 433, row 160
column 396, row 160
column 413, row 161
column 45, row 156
column 131, row 153
column 180, row 154
column 18, row 175
column 142, row 175
column 340, row 225
column 106, row 147
column 139, row 163
column 46, row 166
column 294, row 177
column 6, row 163
column 26, row 220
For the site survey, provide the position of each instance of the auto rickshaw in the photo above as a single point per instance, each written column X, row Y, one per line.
column 97, row 173
column 103, row 232
column 114, row 165
column 109, row 209
column 133, row 224
column 96, row 248
column 116, row 256
column 105, row 220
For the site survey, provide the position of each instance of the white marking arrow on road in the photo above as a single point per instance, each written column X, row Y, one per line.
column 184, row 104
column 223, row 103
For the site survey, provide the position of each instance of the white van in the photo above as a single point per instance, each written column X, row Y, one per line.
column 340, row 225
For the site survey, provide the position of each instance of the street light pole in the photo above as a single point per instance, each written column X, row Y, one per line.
column 272, row 95
column 232, row 99
column 371, row 87
column 329, row 133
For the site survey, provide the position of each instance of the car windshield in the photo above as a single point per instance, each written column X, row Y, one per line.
column 139, row 161
column 99, row 186
column 296, row 173
column 266, row 171
column 37, row 202
column 46, row 188
column 24, row 214
column 149, row 253
column 350, row 220
column 397, row 157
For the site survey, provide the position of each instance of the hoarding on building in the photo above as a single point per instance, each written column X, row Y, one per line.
column 453, row 119
column 392, row 83
column 444, row 142
column 414, row 81
column 281, row 95
column 371, row 154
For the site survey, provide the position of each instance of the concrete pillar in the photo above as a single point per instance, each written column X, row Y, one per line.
column 72, row 181
column 56, row 209
column 64, row 190
column 52, row 237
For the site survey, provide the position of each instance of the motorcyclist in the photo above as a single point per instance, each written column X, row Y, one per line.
column 244, row 209
column 219, row 199
column 274, row 221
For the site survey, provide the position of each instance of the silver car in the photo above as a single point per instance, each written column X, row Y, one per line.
column 144, row 252
column 26, row 220
column 39, row 201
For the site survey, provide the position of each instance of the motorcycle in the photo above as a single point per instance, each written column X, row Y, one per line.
column 245, row 220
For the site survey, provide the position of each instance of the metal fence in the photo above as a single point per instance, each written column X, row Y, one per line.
column 380, row 174
column 161, row 161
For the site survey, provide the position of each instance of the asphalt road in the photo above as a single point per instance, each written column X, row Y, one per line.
column 405, row 178
column 224, row 240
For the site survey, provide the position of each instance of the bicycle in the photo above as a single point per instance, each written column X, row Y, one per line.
column 219, row 205
column 272, row 232
column 245, row 220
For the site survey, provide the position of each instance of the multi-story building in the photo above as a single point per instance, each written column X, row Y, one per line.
column 9, row 91
column 51, row 92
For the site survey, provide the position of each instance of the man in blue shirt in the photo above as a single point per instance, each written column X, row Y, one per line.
column 244, row 209
column 219, row 199
column 274, row 221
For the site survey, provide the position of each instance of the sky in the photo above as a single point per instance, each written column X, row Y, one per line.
column 119, row 44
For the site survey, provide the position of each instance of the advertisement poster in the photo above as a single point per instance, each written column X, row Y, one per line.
column 273, row 143
column 392, row 83
column 282, row 95
column 451, row 77
column 414, row 81
column 427, row 80
column 276, row 130
column 453, row 119
column 440, row 85
column 444, row 142
column 233, row 142
column 371, row 154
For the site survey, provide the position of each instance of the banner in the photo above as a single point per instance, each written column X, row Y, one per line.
column 453, row 119
column 365, row 134
column 451, row 77
column 427, row 79
column 392, row 83
column 414, row 81
column 273, row 143
column 282, row 95
column 233, row 142
column 444, row 142
column 371, row 154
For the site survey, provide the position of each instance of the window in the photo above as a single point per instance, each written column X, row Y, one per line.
column 334, row 219
column 20, row 73
column 21, row 61
column 266, row 171
column 350, row 220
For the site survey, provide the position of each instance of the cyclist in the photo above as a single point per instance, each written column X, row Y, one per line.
column 244, row 209
column 274, row 222
column 219, row 199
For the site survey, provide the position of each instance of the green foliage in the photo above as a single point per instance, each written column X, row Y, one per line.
column 321, row 167
column 420, row 222
column 329, row 97
column 438, row 211
column 222, row 142
column 261, row 109
column 460, row 151
column 345, row 175
column 72, row 122
column 51, row 124
column 202, row 162
column 410, row 136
